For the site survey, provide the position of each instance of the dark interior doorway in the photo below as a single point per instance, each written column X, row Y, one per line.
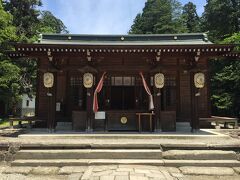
column 122, row 98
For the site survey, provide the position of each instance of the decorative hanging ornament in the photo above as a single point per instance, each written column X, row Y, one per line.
column 48, row 80
column 199, row 80
column 159, row 80
column 88, row 80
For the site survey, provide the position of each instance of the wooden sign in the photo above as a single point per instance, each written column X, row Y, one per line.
column 159, row 80
column 100, row 115
column 48, row 80
column 199, row 80
column 88, row 80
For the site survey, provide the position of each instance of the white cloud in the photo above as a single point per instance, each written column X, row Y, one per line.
column 95, row 16
column 99, row 16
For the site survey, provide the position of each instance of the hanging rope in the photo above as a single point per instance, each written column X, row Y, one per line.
column 97, row 90
column 151, row 106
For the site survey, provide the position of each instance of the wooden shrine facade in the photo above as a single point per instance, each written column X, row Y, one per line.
column 122, row 57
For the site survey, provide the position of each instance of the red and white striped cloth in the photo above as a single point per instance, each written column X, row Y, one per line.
column 151, row 105
column 97, row 90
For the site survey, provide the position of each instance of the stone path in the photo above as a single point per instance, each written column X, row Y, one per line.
column 118, row 172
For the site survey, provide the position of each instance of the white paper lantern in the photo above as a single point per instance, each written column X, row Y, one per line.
column 88, row 80
column 199, row 80
column 48, row 80
column 159, row 80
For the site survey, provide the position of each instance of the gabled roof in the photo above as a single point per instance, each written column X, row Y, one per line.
column 150, row 39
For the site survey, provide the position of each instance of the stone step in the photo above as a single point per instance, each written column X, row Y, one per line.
column 203, row 134
column 199, row 155
column 90, row 154
column 85, row 162
column 79, row 144
column 202, row 163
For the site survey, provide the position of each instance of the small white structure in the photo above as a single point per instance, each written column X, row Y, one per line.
column 26, row 106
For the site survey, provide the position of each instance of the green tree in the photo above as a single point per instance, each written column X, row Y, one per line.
column 221, row 18
column 7, row 30
column 25, row 16
column 9, row 84
column 21, row 21
column 190, row 18
column 226, row 82
column 137, row 25
column 55, row 25
column 159, row 16
column 9, row 73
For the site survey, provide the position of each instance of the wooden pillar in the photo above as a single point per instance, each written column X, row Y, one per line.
column 37, row 89
column 194, row 103
column 52, row 105
column 157, row 107
column 208, row 86
column 178, row 91
column 90, row 114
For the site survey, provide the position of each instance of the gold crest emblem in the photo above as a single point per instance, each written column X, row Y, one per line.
column 124, row 120
column 159, row 80
column 48, row 80
column 199, row 80
column 88, row 80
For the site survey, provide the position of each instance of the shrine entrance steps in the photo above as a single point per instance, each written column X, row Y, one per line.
column 145, row 150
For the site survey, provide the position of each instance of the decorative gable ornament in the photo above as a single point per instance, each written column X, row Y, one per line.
column 199, row 80
column 159, row 80
column 88, row 80
column 48, row 80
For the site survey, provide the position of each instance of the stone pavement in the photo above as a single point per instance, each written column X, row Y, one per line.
column 118, row 172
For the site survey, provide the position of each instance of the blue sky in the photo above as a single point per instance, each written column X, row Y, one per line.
column 100, row 16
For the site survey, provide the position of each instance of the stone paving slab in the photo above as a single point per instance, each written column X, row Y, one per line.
column 18, row 170
column 2, row 168
column 87, row 174
column 107, row 177
column 74, row 176
column 12, row 177
column 46, row 177
column 237, row 170
column 214, row 171
column 104, row 167
column 72, row 169
column 211, row 177
column 121, row 177
column 45, row 170
column 120, row 172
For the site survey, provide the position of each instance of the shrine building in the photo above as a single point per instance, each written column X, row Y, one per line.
column 123, row 83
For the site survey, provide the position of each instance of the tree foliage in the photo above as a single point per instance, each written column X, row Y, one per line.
column 25, row 16
column 48, row 20
column 159, row 16
column 22, row 21
column 7, row 30
column 190, row 17
column 221, row 18
column 226, row 82
column 9, row 82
